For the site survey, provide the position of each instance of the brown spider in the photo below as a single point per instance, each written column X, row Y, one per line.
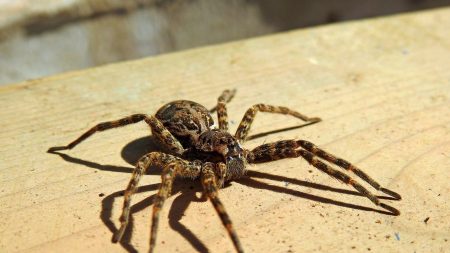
column 200, row 150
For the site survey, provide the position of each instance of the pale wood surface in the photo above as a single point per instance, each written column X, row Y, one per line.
column 382, row 88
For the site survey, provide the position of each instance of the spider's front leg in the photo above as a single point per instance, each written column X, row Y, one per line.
column 211, row 189
column 173, row 166
column 249, row 116
column 295, row 148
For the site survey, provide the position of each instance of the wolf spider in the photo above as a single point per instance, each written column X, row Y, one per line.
column 201, row 150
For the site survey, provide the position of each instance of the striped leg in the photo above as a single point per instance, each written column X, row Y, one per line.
column 179, row 167
column 346, row 165
column 221, row 174
column 249, row 116
column 293, row 148
column 169, row 162
column 221, row 108
column 157, row 129
column 210, row 187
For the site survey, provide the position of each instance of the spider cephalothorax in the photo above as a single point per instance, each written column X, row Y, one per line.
column 200, row 150
column 224, row 144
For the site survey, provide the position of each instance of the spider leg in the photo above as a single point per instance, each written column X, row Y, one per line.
column 161, row 132
column 221, row 108
column 172, row 166
column 293, row 148
column 157, row 127
column 249, row 116
column 210, row 187
column 180, row 167
column 221, row 174
column 226, row 96
column 346, row 165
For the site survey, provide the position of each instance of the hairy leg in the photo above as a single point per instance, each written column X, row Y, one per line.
column 178, row 168
column 346, row 165
column 157, row 129
column 249, row 116
column 189, row 169
column 221, row 173
column 221, row 108
column 293, row 148
column 210, row 187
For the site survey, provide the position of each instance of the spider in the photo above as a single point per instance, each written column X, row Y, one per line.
column 198, row 149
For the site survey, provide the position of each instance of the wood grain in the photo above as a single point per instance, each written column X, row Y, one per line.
column 381, row 86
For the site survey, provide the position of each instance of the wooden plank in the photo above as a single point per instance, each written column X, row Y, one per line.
column 381, row 86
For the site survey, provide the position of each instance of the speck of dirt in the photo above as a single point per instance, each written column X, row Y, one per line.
column 397, row 236
column 378, row 221
column 426, row 220
column 101, row 194
column 353, row 247
column 369, row 249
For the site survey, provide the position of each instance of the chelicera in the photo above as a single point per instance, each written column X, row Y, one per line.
column 198, row 149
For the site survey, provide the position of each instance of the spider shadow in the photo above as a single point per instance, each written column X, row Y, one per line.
column 187, row 191
column 263, row 134
column 250, row 181
column 187, row 194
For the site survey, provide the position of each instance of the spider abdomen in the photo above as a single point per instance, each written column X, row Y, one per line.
column 185, row 120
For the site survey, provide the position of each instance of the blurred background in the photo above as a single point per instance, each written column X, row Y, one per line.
column 44, row 37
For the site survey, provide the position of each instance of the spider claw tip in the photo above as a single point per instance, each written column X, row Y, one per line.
column 391, row 193
column 115, row 239
column 391, row 209
column 53, row 149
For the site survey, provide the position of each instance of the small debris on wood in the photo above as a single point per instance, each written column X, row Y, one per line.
column 426, row 220
column 101, row 194
column 378, row 221
column 397, row 236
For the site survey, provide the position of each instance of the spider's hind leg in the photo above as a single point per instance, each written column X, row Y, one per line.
column 102, row 127
column 211, row 188
column 157, row 127
column 249, row 116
